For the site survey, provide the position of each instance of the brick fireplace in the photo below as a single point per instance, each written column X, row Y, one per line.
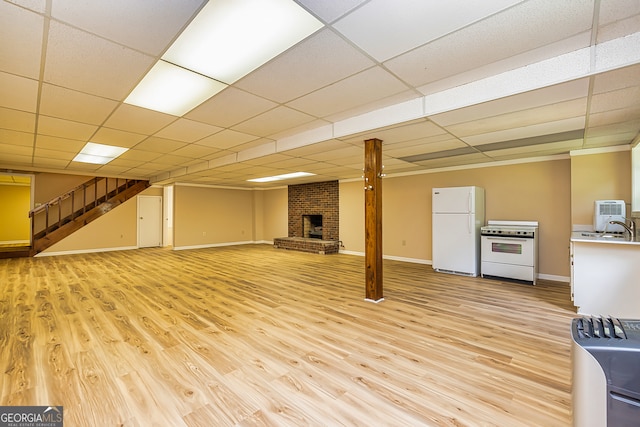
column 316, row 203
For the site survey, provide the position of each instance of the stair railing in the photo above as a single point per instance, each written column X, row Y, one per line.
column 68, row 206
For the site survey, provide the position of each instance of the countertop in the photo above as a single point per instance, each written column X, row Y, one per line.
column 609, row 238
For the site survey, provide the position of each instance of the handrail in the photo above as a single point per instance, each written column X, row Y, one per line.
column 71, row 211
column 66, row 195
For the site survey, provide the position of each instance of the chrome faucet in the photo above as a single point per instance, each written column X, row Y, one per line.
column 630, row 227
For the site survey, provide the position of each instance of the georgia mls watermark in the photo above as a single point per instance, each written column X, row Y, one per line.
column 31, row 416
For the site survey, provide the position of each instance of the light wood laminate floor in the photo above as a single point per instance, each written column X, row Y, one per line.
column 255, row 336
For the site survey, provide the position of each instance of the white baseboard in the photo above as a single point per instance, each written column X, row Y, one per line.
column 554, row 278
column 85, row 251
column 391, row 257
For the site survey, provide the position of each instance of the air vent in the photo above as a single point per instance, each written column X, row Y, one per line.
column 600, row 327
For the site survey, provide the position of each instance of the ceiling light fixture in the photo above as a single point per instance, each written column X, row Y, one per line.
column 173, row 90
column 281, row 177
column 226, row 40
column 98, row 154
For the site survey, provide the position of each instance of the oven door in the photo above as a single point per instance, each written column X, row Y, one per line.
column 508, row 250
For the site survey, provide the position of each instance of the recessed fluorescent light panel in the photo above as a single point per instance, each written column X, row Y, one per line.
column 230, row 38
column 98, row 154
column 173, row 90
column 226, row 40
column 281, row 177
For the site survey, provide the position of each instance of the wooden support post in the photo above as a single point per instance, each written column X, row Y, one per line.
column 373, row 218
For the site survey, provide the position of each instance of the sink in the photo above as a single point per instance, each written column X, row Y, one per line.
column 605, row 236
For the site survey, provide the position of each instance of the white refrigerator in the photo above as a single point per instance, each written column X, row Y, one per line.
column 458, row 214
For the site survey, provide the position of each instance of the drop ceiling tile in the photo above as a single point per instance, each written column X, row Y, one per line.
column 273, row 121
column 124, row 163
column 399, row 133
column 110, row 169
column 24, row 29
column 50, row 163
column 384, row 30
column 138, row 25
column 320, row 147
column 363, row 88
column 291, row 163
column 389, row 148
column 35, row 5
column 617, row 18
column 167, row 160
column 68, row 104
column 536, row 98
column 630, row 127
column 337, row 154
column 433, row 147
column 53, row 154
column 513, row 62
column 608, row 140
column 59, row 144
column 330, row 10
column 518, row 119
column 116, row 137
column 16, row 138
column 616, row 10
column 226, row 139
column 318, row 61
column 540, row 129
column 53, row 126
column 229, row 107
column 195, row 151
column 399, row 98
column 139, row 155
column 17, row 120
column 187, row 130
column 160, row 145
column 138, row 120
column 522, row 28
column 614, row 117
column 21, row 150
column 14, row 159
column 617, row 79
column 87, row 63
column 270, row 159
column 18, row 93
column 614, row 100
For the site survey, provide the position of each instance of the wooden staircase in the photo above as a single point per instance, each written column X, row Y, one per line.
column 60, row 217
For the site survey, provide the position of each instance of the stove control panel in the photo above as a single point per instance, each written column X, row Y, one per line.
column 508, row 231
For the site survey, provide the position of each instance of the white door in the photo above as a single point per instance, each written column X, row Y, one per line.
column 149, row 221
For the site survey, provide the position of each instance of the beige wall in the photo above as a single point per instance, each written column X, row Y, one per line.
column 275, row 219
column 604, row 176
column 538, row 191
column 208, row 216
column 51, row 185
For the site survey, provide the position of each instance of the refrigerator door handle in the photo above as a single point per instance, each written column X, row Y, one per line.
column 469, row 224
